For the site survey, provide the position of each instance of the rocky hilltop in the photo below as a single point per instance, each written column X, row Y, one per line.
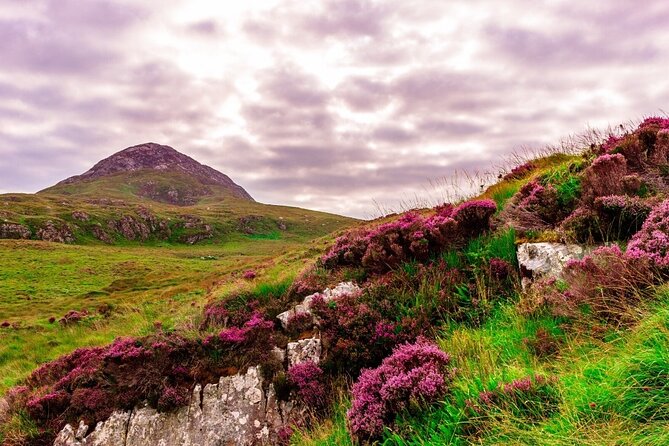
column 158, row 157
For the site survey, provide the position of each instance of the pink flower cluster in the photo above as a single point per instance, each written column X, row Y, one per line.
column 520, row 171
column 237, row 335
column 308, row 379
column 604, row 176
column 411, row 236
column 611, row 143
column 655, row 121
column 249, row 275
column 652, row 241
column 412, row 373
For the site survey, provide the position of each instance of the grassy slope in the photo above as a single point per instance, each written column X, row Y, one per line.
column 602, row 396
column 145, row 283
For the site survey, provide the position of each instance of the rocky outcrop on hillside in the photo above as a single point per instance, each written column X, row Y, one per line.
column 343, row 289
column 58, row 232
column 196, row 230
column 237, row 410
column 131, row 228
column 242, row 409
column 14, row 231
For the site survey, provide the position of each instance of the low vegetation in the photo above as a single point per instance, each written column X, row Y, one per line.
column 441, row 345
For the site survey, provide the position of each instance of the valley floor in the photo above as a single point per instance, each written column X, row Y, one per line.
column 117, row 291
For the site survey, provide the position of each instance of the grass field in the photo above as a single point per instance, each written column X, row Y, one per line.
column 144, row 286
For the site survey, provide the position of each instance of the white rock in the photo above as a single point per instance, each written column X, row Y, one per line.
column 234, row 411
column 342, row 289
column 546, row 259
column 304, row 350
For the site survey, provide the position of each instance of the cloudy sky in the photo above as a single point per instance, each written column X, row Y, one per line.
column 333, row 105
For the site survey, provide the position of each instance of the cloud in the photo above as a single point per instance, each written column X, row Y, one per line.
column 340, row 105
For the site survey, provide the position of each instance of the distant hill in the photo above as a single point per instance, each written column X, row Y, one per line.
column 154, row 171
column 153, row 193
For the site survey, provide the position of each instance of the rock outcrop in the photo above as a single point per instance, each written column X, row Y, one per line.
column 235, row 411
column 196, row 230
column 14, row 231
column 342, row 289
column 52, row 232
column 131, row 228
column 238, row 410
column 546, row 259
column 242, row 409
column 80, row 215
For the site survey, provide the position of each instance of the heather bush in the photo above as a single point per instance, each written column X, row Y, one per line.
column 651, row 243
column 610, row 143
column 309, row 382
column 621, row 216
column 607, row 286
column 410, row 237
column 473, row 217
column 612, row 217
column 414, row 374
column 355, row 333
column 299, row 323
column 268, row 299
column 533, row 398
column 249, row 274
column 90, row 383
column 535, row 206
column 583, row 226
column 604, row 177
column 499, row 269
column 520, row 171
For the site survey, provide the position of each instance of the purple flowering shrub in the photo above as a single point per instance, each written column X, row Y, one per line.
column 621, row 216
column 473, row 217
column 520, row 171
column 500, row 269
column 533, row 398
column 358, row 333
column 535, row 206
column 606, row 286
column 652, row 241
column 309, row 382
column 646, row 146
column 414, row 374
column 91, row 383
column 604, row 177
column 612, row 217
column 249, row 274
column 410, row 237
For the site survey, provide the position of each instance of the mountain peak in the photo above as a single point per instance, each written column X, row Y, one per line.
column 151, row 156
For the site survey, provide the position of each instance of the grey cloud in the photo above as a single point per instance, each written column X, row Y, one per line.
column 568, row 49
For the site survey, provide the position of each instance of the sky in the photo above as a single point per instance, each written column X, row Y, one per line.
column 347, row 106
